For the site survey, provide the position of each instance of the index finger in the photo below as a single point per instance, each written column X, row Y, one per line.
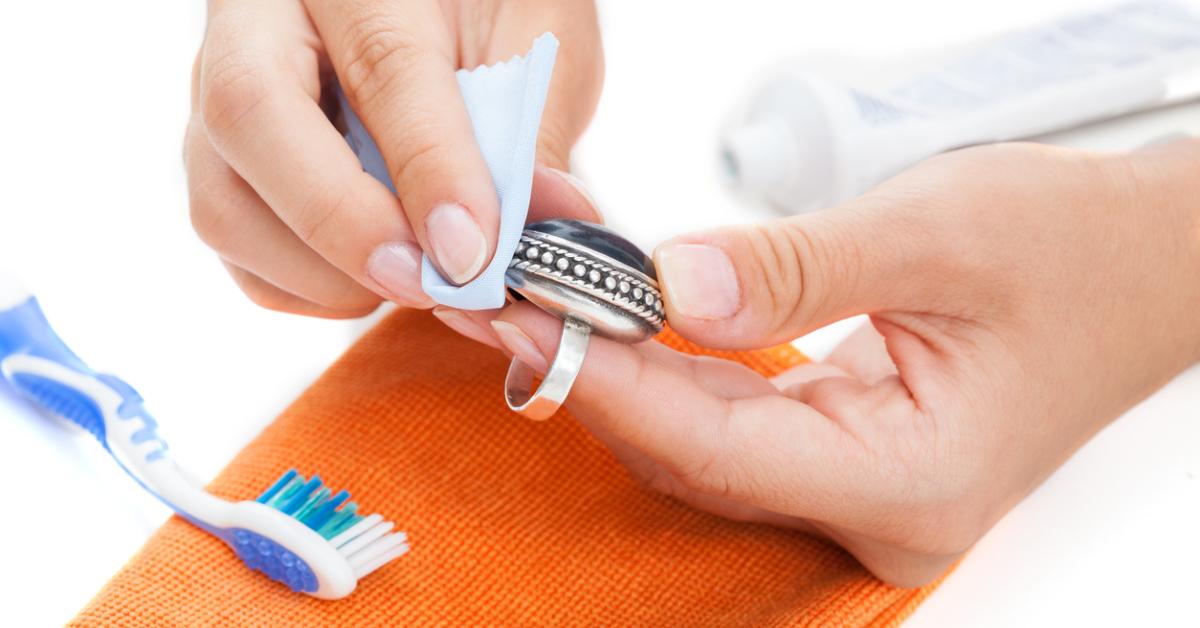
column 397, row 63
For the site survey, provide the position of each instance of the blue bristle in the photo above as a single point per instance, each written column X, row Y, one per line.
column 312, row 504
column 320, row 515
column 301, row 495
column 279, row 484
column 345, row 518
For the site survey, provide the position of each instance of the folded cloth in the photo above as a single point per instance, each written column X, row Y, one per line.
column 512, row 522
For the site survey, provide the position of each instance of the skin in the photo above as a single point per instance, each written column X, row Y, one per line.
column 1021, row 297
column 281, row 198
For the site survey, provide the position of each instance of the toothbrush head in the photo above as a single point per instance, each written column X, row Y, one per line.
column 350, row 545
column 297, row 532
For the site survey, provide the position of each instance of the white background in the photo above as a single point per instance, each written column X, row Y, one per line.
column 93, row 216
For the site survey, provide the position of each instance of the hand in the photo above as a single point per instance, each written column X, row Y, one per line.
column 274, row 188
column 1021, row 298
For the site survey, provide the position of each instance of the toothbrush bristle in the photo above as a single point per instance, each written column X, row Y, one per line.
column 367, row 542
column 312, row 504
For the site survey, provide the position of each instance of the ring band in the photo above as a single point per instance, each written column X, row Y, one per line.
column 542, row 403
column 595, row 281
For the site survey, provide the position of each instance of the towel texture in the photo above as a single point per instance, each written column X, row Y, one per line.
column 512, row 522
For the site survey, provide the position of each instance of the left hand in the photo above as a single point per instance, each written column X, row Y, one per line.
column 1021, row 298
column 277, row 193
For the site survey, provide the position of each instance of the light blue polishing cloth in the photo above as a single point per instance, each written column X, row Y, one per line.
column 505, row 103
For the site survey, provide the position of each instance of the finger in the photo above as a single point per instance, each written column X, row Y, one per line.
column 271, row 297
column 804, row 373
column 759, row 285
column 396, row 62
column 559, row 194
column 752, row 447
column 578, row 69
column 232, row 220
column 864, row 355
column 570, row 101
column 259, row 101
column 475, row 325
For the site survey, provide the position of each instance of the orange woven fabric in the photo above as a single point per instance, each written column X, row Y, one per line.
column 511, row 521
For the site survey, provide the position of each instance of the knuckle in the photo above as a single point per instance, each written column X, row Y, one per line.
column 782, row 259
column 316, row 221
column 707, row 477
column 713, row 469
column 233, row 85
column 211, row 218
column 264, row 297
column 377, row 53
column 419, row 160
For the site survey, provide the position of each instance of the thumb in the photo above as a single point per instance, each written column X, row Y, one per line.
column 760, row 285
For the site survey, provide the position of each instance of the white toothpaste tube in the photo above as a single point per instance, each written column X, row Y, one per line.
column 806, row 141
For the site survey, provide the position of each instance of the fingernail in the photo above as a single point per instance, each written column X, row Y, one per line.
column 580, row 187
column 396, row 267
column 521, row 345
column 699, row 281
column 465, row 325
column 459, row 245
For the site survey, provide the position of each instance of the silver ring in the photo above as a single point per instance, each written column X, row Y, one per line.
column 545, row 401
column 596, row 282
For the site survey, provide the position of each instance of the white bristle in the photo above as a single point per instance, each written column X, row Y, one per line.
column 355, row 530
column 377, row 548
column 392, row 552
column 364, row 539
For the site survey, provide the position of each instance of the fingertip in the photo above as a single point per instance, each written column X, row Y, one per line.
column 458, row 243
column 703, row 297
column 559, row 194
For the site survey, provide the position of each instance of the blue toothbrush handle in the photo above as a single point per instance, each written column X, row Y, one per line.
column 38, row 364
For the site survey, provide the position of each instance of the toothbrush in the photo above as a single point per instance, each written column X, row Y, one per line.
column 294, row 532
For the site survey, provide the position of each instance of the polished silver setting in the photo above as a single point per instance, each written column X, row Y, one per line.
column 561, row 277
column 592, row 293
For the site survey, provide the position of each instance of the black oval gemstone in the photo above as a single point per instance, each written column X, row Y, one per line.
column 597, row 238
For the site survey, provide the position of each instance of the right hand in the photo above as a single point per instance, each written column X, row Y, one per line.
column 1021, row 298
column 277, row 193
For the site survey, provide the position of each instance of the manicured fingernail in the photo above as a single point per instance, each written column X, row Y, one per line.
column 459, row 245
column 521, row 345
column 699, row 281
column 396, row 267
column 580, row 187
column 465, row 325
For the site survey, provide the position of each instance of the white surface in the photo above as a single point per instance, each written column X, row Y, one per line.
column 93, row 218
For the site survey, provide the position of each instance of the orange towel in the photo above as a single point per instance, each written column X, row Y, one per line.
column 511, row 521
